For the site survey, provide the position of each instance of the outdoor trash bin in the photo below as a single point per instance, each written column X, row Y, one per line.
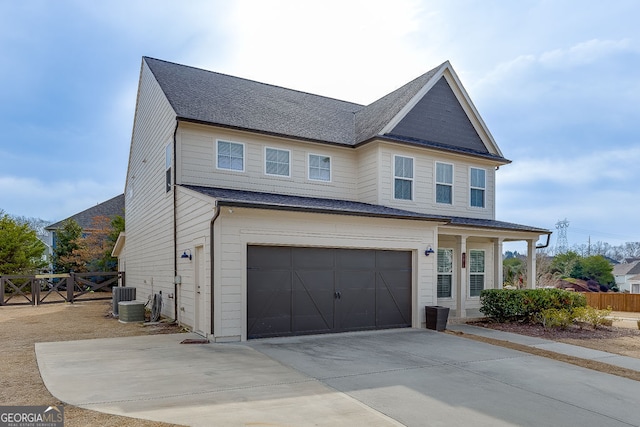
column 437, row 317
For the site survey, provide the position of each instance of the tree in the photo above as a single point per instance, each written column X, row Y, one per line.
column 91, row 251
column 21, row 252
column 513, row 271
column 566, row 265
column 65, row 243
column 599, row 269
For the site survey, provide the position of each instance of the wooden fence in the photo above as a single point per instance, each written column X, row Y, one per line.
column 55, row 288
column 616, row 301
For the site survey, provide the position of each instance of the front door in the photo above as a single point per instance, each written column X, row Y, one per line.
column 199, row 300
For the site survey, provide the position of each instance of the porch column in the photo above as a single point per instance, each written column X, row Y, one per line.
column 497, row 263
column 531, row 264
column 462, row 285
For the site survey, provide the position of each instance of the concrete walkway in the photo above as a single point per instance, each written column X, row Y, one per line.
column 399, row 377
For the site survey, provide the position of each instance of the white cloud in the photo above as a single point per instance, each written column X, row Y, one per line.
column 583, row 53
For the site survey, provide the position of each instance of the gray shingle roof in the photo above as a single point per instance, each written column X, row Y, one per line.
column 626, row 269
column 254, row 199
column 213, row 98
column 110, row 208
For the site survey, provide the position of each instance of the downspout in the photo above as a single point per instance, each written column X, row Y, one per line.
column 175, row 225
column 212, row 261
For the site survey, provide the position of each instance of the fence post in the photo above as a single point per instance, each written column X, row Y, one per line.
column 122, row 279
column 35, row 293
column 1, row 290
column 71, row 282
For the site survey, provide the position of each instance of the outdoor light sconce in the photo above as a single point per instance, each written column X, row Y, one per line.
column 186, row 255
column 429, row 251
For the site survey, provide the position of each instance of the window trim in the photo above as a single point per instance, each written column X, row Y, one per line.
column 244, row 156
column 309, row 167
column 435, row 179
column 411, row 180
column 484, row 189
column 266, row 148
column 483, row 273
column 450, row 274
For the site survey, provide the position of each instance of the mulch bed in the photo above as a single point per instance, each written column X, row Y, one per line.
column 572, row 332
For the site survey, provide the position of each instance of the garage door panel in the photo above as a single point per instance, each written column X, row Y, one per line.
column 393, row 299
column 313, row 301
column 269, row 257
column 312, row 259
column 268, row 303
column 393, row 260
column 356, row 306
column 355, row 259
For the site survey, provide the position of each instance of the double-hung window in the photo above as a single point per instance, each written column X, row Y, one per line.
column 476, row 270
column 478, row 185
column 319, row 167
column 403, row 178
column 444, row 183
column 277, row 162
column 230, row 156
column 445, row 272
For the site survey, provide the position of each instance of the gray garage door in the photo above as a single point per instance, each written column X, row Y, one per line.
column 295, row 291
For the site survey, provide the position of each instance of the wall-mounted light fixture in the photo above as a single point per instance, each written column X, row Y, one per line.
column 429, row 251
column 186, row 255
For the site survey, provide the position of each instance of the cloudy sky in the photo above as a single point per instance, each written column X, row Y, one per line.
column 557, row 83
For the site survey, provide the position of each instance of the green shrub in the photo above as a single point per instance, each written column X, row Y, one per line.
column 555, row 318
column 505, row 305
column 592, row 316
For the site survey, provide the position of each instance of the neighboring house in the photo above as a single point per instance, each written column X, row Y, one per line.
column 261, row 211
column 623, row 273
column 111, row 208
column 634, row 284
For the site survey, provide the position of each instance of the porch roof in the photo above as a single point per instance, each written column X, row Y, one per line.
column 253, row 199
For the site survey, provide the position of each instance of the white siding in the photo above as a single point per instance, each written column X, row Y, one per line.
column 195, row 213
column 149, row 212
column 239, row 227
column 198, row 164
column 368, row 174
column 424, row 182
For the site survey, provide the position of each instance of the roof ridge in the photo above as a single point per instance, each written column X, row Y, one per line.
column 255, row 81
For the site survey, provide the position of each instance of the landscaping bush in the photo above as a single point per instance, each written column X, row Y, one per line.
column 592, row 316
column 505, row 305
column 555, row 318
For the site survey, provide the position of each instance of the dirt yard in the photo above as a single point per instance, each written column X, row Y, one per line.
column 23, row 326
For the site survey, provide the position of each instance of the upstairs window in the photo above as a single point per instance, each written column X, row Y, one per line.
column 277, row 162
column 444, row 183
column 476, row 270
column 403, row 174
column 478, row 184
column 167, row 166
column 445, row 272
column 319, row 167
column 230, row 156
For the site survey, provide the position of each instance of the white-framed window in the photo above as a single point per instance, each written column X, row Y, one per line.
column 476, row 272
column 444, row 183
column 403, row 178
column 277, row 162
column 445, row 272
column 319, row 167
column 477, row 178
column 230, row 155
column 167, row 166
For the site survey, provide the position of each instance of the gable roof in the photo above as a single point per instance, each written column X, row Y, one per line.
column 626, row 269
column 110, row 208
column 253, row 199
column 208, row 97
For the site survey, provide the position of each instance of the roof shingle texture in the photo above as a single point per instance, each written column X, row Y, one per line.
column 343, row 207
column 110, row 208
column 215, row 98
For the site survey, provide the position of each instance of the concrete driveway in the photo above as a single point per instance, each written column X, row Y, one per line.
column 385, row 378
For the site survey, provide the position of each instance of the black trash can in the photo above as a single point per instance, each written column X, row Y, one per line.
column 437, row 317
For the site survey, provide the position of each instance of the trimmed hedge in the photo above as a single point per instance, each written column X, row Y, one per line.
column 506, row 305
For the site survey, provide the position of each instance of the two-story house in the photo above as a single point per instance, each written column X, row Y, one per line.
column 258, row 211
